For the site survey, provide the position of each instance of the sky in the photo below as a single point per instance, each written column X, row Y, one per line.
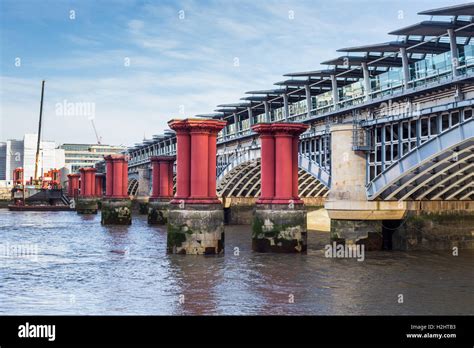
column 132, row 65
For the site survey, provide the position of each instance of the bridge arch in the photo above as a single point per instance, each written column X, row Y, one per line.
column 132, row 189
column 442, row 168
column 241, row 178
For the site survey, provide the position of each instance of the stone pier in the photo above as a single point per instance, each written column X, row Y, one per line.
column 86, row 201
column 162, row 189
column 143, row 193
column 279, row 221
column 116, row 205
column 354, row 219
column 196, row 216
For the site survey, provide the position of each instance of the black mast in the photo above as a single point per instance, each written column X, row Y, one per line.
column 39, row 132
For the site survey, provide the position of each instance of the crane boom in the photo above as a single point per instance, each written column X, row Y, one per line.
column 95, row 131
column 39, row 132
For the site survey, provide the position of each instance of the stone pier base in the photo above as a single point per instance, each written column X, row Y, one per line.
column 366, row 232
column 435, row 231
column 158, row 211
column 86, row 205
column 195, row 229
column 279, row 228
column 116, row 211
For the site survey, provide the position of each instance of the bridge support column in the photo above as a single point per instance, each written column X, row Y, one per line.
column 143, row 192
column 99, row 180
column 116, row 205
column 354, row 220
column 99, row 188
column 196, row 216
column 73, row 185
column 279, row 221
column 162, row 189
column 87, row 202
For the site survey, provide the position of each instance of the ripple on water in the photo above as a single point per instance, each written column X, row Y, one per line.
column 82, row 267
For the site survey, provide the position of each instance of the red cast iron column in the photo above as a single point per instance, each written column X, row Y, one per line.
column 166, row 176
column 286, row 158
column 118, row 173
column 155, row 181
column 109, row 177
column 98, row 184
column 212, row 165
column 199, row 161
column 267, row 171
column 125, row 176
column 183, row 159
column 195, row 157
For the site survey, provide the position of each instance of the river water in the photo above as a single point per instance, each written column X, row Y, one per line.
column 77, row 266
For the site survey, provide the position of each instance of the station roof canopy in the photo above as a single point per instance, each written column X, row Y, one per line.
column 295, row 82
column 211, row 115
column 456, row 10
column 394, row 46
column 435, row 28
column 358, row 60
column 294, row 94
column 235, row 105
column 262, row 98
column 269, row 91
column 328, row 72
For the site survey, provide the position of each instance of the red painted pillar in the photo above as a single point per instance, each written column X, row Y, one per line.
column 294, row 177
column 155, row 181
column 284, row 169
column 267, row 142
column 170, row 175
column 212, row 165
column 74, row 184
column 183, row 159
column 286, row 158
column 109, row 176
column 164, row 179
column 196, row 163
column 87, row 182
column 199, row 163
column 118, row 177
column 98, row 184
column 125, row 176
column 279, row 171
column 162, row 172
column 82, row 181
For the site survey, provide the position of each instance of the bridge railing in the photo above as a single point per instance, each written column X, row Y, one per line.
column 244, row 155
column 314, row 169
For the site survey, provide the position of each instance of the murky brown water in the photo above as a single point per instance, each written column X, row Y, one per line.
column 82, row 267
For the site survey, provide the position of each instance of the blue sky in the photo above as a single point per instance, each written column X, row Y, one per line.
column 181, row 56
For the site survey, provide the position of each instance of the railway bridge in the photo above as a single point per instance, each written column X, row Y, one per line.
column 389, row 142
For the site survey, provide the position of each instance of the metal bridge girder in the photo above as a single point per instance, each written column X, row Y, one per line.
column 432, row 154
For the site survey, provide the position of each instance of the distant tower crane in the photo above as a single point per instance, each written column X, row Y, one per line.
column 99, row 139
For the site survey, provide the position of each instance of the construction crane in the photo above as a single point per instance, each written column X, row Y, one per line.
column 99, row 139
column 39, row 132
